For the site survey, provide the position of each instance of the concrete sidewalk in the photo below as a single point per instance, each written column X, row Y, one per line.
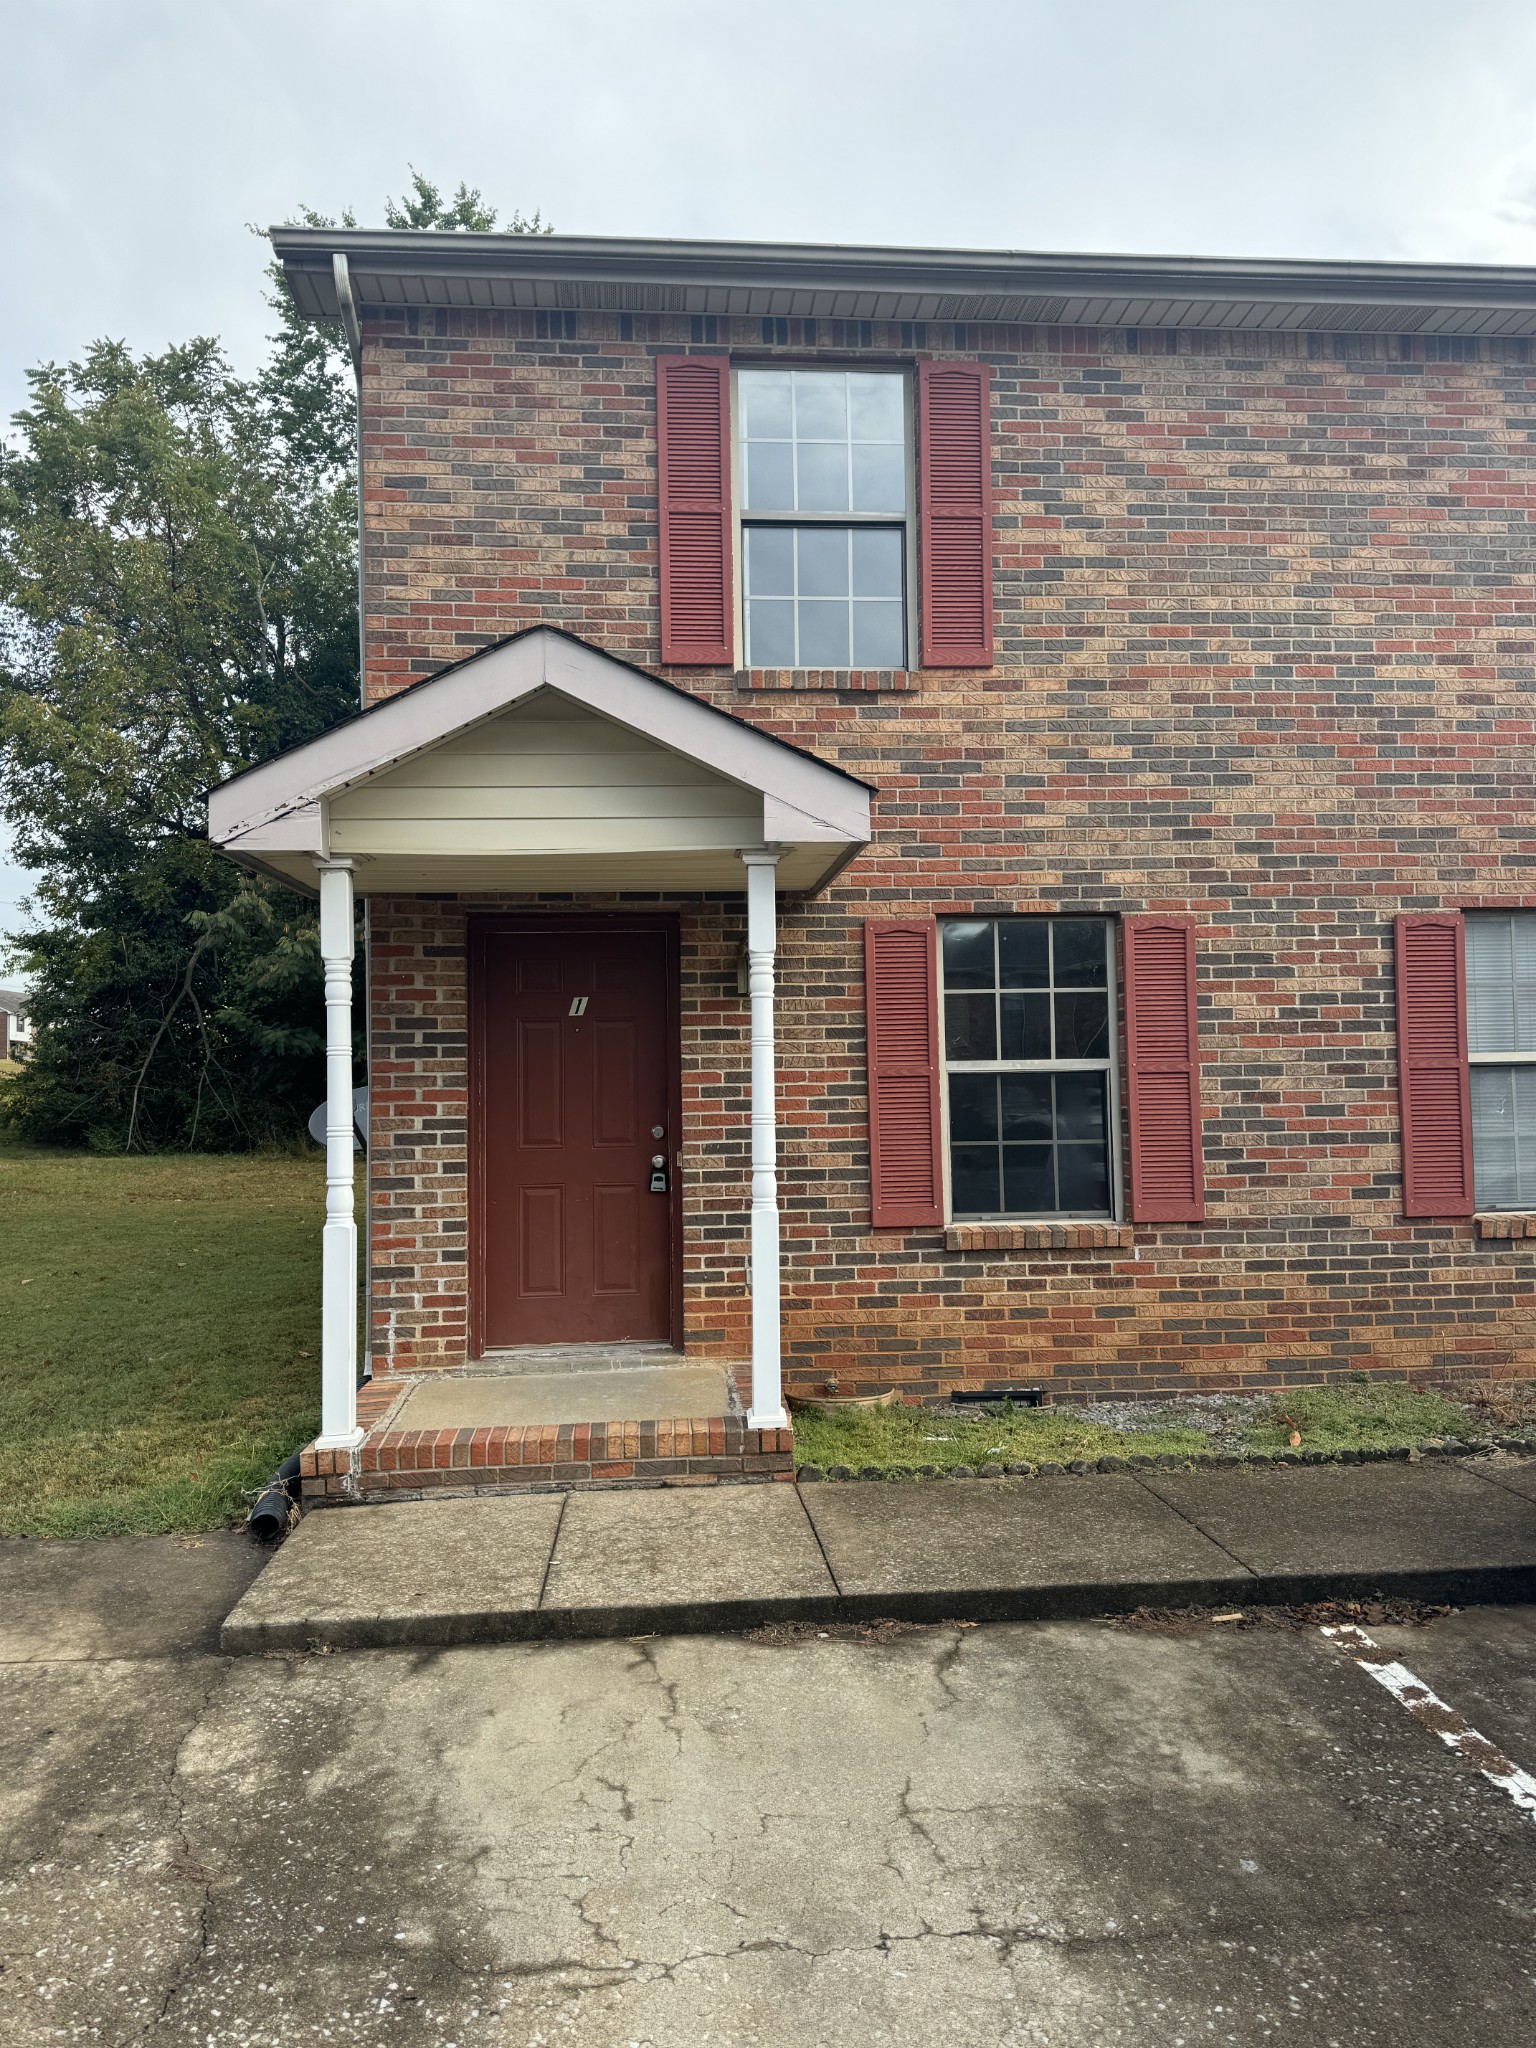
column 691, row 1559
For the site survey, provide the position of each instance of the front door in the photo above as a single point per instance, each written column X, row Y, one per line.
column 574, row 1105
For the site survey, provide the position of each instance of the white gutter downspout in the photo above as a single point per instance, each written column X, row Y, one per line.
column 349, row 320
column 767, row 1409
column 352, row 327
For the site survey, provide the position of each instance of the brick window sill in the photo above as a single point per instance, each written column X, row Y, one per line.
column 862, row 680
column 1038, row 1237
column 1505, row 1223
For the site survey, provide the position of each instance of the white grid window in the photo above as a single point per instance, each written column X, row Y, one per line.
column 1501, row 1041
column 1029, row 1083
column 824, row 506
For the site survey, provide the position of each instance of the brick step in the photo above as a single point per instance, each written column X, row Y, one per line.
column 392, row 1462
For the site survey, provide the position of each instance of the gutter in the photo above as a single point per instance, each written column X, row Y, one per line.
column 682, row 273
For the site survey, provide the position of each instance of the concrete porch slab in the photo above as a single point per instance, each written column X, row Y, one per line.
column 419, row 1572
column 1433, row 1529
column 516, row 1400
column 1013, row 1546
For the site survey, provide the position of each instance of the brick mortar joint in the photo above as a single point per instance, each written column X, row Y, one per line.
column 449, row 1432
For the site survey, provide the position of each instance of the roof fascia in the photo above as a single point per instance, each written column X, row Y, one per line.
column 503, row 676
column 840, row 270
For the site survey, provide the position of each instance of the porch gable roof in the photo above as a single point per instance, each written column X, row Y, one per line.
column 684, row 789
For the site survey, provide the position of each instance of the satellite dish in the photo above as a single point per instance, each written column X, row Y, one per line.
column 359, row 1121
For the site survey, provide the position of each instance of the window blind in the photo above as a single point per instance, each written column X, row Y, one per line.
column 1501, row 982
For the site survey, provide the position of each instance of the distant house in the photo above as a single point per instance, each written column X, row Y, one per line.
column 15, row 1025
column 1104, row 683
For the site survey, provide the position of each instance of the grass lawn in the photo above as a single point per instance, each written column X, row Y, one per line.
column 1377, row 1414
column 161, row 1343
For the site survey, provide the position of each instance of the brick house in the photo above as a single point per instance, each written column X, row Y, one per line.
column 1108, row 681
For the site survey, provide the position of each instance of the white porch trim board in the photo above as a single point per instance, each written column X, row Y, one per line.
column 767, row 1409
column 394, row 787
column 338, row 1272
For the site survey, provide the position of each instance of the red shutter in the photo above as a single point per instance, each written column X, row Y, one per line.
column 1162, row 1065
column 902, row 1011
column 693, row 432
column 954, row 448
column 1434, row 1083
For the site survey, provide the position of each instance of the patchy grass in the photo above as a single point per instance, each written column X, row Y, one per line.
column 901, row 1439
column 161, row 1336
column 1363, row 1414
column 1377, row 1414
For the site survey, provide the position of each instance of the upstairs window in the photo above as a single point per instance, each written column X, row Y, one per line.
column 798, row 525
column 1028, row 1034
column 1501, row 1049
column 823, row 478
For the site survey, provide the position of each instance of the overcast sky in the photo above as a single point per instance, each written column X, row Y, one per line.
column 141, row 138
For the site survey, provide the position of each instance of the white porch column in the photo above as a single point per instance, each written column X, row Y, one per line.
column 767, row 1409
column 338, row 1270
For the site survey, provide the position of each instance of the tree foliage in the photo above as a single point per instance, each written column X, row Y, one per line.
column 177, row 565
column 177, row 601
column 425, row 207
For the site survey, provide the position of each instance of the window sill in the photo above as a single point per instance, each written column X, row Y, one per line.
column 863, row 680
column 1040, row 1237
column 1505, row 1223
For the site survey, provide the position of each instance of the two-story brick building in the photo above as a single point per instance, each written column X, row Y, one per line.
column 1112, row 680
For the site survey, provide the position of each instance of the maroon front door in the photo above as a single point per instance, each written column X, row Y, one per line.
column 574, row 1062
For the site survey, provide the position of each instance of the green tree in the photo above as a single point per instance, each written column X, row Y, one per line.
column 177, row 601
column 177, row 567
column 425, row 207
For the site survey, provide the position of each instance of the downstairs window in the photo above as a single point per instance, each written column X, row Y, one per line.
column 1029, row 1070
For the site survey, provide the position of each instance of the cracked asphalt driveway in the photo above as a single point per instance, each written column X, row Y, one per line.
column 1058, row 1834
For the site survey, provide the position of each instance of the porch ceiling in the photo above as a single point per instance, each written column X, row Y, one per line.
column 542, row 764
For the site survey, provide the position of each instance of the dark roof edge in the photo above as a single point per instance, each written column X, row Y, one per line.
column 830, row 267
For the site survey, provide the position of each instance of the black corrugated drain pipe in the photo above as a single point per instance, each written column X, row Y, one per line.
column 277, row 1505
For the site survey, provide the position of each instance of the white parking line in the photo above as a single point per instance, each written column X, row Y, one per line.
column 1429, row 1709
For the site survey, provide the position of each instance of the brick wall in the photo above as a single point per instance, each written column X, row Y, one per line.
column 1265, row 654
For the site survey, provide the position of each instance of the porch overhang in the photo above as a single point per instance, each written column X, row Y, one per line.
column 542, row 763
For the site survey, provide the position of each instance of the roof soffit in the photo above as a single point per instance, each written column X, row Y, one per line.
column 393, row 268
